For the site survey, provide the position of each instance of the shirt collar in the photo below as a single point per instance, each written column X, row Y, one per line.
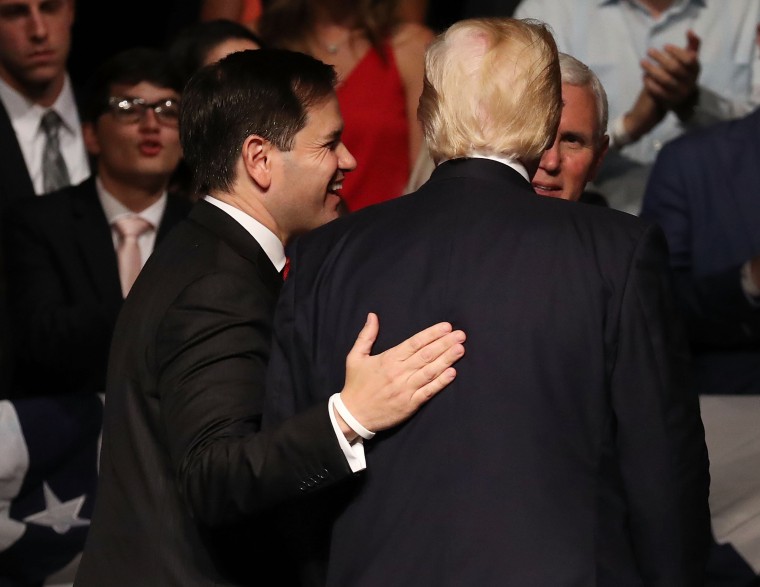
column 267, row 240
column 115, row 209
column 19, row 107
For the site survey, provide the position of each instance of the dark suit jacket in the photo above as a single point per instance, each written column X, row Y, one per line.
column 185, row 475
column 15, row 184
column 63, row 285
column 568, row 451
column 704, row 193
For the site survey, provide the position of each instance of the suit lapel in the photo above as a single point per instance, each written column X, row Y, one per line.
column 227, row 229
column 14, row 176
column 93, row 236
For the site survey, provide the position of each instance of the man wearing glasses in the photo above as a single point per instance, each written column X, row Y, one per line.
column 73, row 255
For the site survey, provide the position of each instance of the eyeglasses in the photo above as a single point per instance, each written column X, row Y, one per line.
column 132, row 110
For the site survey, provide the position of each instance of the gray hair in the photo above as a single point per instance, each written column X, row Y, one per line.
column 577, row 73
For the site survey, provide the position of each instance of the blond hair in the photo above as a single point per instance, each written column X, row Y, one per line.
column 492, row 87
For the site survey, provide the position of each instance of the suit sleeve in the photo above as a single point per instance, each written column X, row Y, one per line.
column 212, row 351
column 660, row 437
column 715, row 306
column 52, row 331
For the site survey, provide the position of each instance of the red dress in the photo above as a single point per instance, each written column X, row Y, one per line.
column 373, row 104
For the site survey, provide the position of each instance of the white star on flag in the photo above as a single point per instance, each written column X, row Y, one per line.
column 58, row 515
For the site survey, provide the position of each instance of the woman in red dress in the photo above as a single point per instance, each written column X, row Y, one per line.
column 379, row 60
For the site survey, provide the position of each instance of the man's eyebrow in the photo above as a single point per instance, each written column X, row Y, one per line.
column 334, row 135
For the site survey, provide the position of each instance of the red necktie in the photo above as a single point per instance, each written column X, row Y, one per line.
column 286, row 269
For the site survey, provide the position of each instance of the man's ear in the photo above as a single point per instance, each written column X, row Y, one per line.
column 257, row 153
column 90, row 138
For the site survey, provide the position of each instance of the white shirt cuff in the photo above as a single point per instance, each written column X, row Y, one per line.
column 354, row 452
column 619, row 137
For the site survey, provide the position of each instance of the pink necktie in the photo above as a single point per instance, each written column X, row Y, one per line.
column 129, row 229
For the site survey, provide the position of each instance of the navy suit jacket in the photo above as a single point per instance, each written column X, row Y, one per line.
column 568, row 451
column 704, row 192
column 64, row 289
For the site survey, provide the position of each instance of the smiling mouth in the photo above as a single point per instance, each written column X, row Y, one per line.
column 335, row 186
column 546, row 188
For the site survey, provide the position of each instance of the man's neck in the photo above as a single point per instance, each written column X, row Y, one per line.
column 135, row 197
column 44, row 93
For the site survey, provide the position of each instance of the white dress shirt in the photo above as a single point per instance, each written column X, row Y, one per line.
column 26, row 119
column 115, row 209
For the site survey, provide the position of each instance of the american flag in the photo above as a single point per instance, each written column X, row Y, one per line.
column 48, row 472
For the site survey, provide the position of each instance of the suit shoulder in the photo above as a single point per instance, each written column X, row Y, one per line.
column 706, row 137
column 610, row 225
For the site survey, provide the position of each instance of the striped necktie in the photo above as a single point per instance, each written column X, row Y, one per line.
column 55, row 175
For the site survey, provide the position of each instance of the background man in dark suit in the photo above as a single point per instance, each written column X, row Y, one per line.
column 185, row 474
column 703, row 191
column 63, row 274
column 568, row 451
column 35, row 37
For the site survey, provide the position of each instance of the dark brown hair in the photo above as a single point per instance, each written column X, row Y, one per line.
column 288, row 23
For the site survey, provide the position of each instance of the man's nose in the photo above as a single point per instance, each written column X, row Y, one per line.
column 346, row 160
column 38, row 27
column 550, row 160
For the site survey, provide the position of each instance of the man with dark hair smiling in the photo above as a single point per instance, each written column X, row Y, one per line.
column 187, row 477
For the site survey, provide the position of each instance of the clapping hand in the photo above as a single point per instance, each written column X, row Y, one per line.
column 671, row 75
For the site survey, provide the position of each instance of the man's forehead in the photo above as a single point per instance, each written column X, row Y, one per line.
column 324, row 117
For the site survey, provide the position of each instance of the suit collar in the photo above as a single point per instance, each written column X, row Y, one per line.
column 229, row 230
column 485, row 169
column 94, row 239
column 267, row 240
